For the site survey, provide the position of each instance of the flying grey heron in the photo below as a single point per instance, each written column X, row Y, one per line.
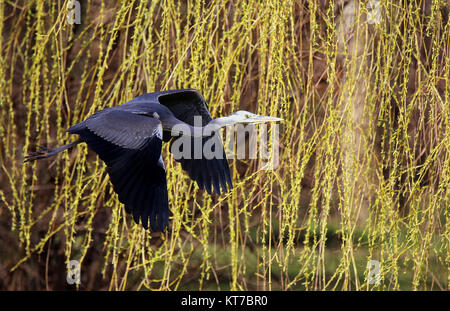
column 128, row 138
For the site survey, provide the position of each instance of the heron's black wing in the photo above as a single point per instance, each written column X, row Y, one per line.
column 206, row 172
column 186, row 105
column 130, row 145
column 124, row 128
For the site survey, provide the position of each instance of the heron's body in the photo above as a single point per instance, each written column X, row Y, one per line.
column 128, row 138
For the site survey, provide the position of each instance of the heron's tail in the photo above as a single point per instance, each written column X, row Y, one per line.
column 44, row 152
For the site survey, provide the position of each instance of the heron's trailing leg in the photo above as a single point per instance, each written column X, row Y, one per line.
column 44, row 152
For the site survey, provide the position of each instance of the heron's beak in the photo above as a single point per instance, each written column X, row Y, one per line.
column 262, row 119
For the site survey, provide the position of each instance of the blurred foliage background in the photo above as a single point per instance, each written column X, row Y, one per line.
column 363, row 87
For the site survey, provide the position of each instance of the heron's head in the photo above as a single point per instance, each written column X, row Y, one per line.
column 246, row 117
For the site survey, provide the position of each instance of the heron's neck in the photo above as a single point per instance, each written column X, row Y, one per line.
column 182, row 128
column 222, row 122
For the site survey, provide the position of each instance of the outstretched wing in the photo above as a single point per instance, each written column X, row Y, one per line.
column 186, row 105
column 130, row 145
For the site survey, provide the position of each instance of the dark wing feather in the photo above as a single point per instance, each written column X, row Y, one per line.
column 123, row 128
column 134, row 162
column 185, row 105
column 208, row 173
